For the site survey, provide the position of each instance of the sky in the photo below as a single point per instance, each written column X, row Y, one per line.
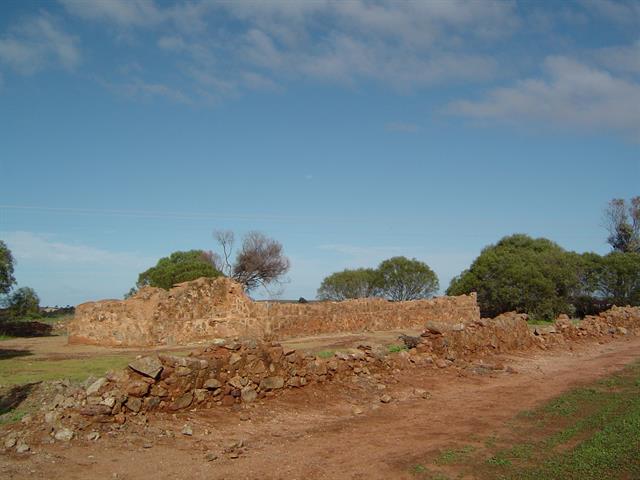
column 350, row 131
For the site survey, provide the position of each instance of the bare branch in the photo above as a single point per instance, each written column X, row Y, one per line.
column 225, row 239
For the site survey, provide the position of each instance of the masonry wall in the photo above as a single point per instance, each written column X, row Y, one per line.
column 215, row 308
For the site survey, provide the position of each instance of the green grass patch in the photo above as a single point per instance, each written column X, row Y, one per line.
column 588, row 433
column 325, row 353
column 454, row 455
column 20, row 370
column 397, row 348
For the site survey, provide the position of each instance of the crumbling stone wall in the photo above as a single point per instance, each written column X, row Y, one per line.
column 218, row 308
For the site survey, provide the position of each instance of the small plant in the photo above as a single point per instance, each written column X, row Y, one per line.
column 397, row 348
column 499, row 461
column 453, row 456
column 325, row 353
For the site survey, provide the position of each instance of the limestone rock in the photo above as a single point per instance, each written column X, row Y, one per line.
column 64, row 435
column 150, row 366
column 272, row 383
column 95, row 387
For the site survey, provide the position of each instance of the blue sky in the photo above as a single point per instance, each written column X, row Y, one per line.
column 350, row 131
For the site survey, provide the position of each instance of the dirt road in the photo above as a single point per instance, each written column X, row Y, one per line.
column 315, row 433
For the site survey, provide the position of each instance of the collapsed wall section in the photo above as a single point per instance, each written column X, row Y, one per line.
column 218, row 308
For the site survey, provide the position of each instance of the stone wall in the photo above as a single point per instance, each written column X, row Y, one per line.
column 231, row 372
column 218, row 308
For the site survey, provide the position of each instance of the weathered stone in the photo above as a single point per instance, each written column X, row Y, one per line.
column 212, row 384
column 187, row 430
column 200, row 395
column 64, row 435
column 236, row 382
column 93, row 436
column 134, row 404
column 95, row 387
column 183, row 401
column 94, row 410
column 10, row 442
column 159, row 391
column 22, row 447
column 109, row 402
column 386, row 398
column 248, row 395
column 150, row 366
column 272, row 383
column 137, row 388
column 234, row 358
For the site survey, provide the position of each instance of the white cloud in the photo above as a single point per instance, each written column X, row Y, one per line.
column 29, row 246
column 622, row 12
column 405, row 45
column 622, row 58
column 37, row 43
column 120, row 12
column 569, row 94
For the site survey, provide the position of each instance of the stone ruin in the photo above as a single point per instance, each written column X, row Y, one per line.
column 234, row 372
column 207, row 309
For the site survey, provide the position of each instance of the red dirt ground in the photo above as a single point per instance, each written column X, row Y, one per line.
column 313, row 433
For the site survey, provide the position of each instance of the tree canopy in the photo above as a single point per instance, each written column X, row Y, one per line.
column 259, row 262
column 534, row 276
column 623, row 223
column 401, row 279
column 7, row 280
column 23, row 302
column 349, row 284
column 397, row 279
column 179, row 267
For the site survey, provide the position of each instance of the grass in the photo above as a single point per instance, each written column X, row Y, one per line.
column 325, row 353
column 454, row 455
column 20, row 370
column 588, row 433
column 397, row 348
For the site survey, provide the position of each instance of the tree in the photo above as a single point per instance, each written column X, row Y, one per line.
column 23, row 302
column 533, row 276
column 623, row 223
column 349, row 284
column 259, row 262
column 179, row 267
column 401, row 279
column 7, row 280
column 618, row 278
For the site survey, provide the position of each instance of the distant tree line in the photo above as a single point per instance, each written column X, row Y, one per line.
column 519, row 273
column 396, row 279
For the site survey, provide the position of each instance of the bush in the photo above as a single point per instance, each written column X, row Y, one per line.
column 24, row 302
column 533, row 276
column 178, row 267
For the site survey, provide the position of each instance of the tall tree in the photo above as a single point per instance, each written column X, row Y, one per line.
column 406, row 279
column 7, row 280
column 623, row 223
column 24, row 301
